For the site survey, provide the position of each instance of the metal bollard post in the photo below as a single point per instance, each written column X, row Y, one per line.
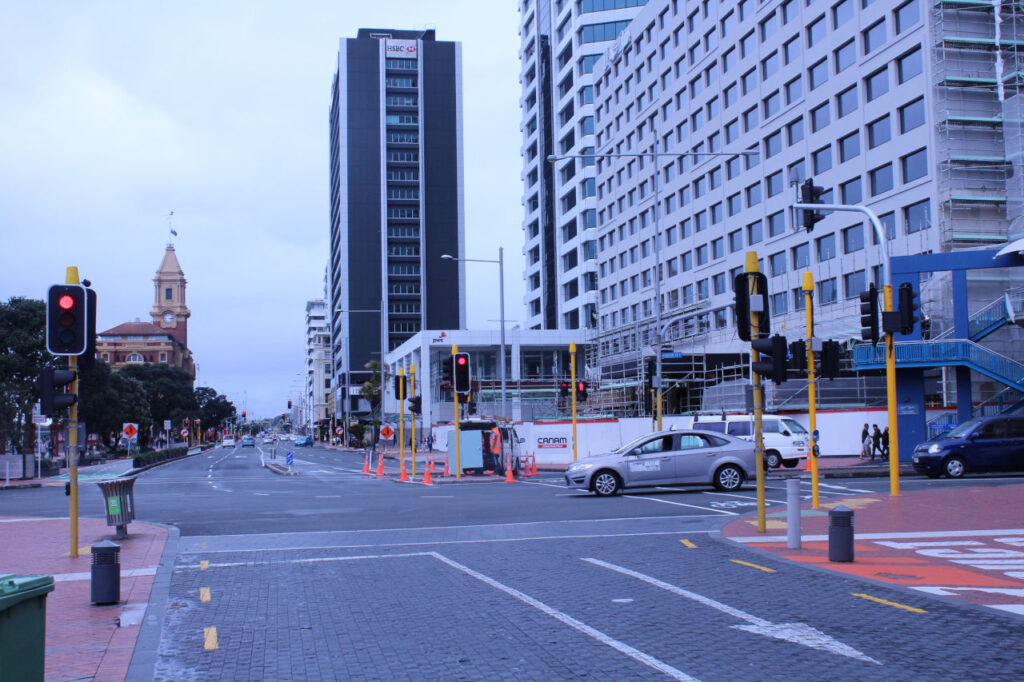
column 793, row 513
column 840, row 534
column 106, row 573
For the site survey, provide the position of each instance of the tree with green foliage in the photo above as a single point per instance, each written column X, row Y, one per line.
column 22, row 356
column 372, row 391
column 168, row 390
column 214, row 408
column 110, row 399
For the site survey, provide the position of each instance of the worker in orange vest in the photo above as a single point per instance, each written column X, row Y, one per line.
column 495, row 447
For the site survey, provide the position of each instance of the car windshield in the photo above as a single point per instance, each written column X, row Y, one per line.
column 963, row 429
column 793, row 426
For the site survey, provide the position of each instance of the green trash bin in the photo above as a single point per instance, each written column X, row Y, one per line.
column 23, row 626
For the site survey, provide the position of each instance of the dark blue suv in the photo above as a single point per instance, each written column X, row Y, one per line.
column 979, row 444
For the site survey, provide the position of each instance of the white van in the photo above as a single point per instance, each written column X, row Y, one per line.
column 785, row 441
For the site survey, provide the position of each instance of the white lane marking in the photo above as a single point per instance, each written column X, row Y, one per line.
column 798, row 633
column 843, row 487
column 441, row 542
column 87, row 575
column 264, row 494
column 312, row 560
column 326, row 497
column 681, row 504
column 622, row 601
column 437, row 497
column 546, row 485
column 566, row 619
column 753, row 539
column 1011, row 608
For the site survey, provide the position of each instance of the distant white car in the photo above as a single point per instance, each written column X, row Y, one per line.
column 228, row 443
column 267, row 440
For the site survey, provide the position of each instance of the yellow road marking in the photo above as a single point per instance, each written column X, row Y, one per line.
column 204, row 594
column 747, row 563
column 688, row 543
column 204, row 545
column 203, row 564
column 888, row 603
column 210, row 638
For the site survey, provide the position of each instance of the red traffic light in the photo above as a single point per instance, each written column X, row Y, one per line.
column 581, row 386
column 66, row 302
column 461, row 360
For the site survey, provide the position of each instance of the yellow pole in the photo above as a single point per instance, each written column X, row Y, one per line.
column 755, row 378
column 412, row 390
column 458, row 446
column 812, row 394
column 890, row 390
column 572, row 373
column 401, row 416
column 71, row 277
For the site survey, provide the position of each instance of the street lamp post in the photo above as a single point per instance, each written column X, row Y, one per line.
column 501, row 313
column 654, row 155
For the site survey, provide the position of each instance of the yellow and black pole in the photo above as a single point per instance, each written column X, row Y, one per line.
column 71, row 277
column 890, row 390
column 458, row 448
column 812, row 394
column 751, row 267
column 400, row 394
column 572, row 375
column 412, row 393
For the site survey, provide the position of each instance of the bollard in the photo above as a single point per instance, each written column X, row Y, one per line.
column 793, row 513
column 840, row 534
column 106, row 573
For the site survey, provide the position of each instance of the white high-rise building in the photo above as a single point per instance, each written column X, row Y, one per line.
column 318, row 364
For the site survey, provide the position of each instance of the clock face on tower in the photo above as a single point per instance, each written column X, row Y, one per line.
column 168, row 318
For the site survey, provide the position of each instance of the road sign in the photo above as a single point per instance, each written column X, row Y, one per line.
column 130, row 430
column 816, row 435
column 184, row 433
column 339, row 430
column 386, row 432
column 290, row 458
column 167, row 425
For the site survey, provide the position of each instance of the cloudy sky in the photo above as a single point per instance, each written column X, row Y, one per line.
column 114, row 113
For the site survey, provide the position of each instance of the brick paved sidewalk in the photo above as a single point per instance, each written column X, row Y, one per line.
column 84, row 641
column 964, row 542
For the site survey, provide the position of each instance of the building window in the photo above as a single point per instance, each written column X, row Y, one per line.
column 874, row 37
column 735, row 241
column 794, row 90
column 907, row 15
column 777, row 263
column 877, row 84
column 909, row 65
column 167, row 294
column 853, row 238
column 845, row 56
column 916, row 217
column 822, row 159
column 818, row 74
column 841, row 13
column 846, row 101
column 801, row 256
column 755, row 232
column 816, row 31
column 854, row 283
column 849, row 147
column 827, row 291
column 776, row 223
column 780, row 304
column 163, row 357
column 878, row 132
column 773, row 183
column 850, row 192
column 881, row 179
column 826, row 247
column 915, row 165
column 795, row 131
column 773, row 144
column 912, row 115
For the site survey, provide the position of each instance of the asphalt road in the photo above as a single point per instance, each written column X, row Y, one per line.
column 331, row 575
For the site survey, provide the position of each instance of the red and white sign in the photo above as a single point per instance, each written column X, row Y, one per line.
column 339, row 430
column 386, row 432
column 130, row 430
column 407, row 49
column 552, row 442
column 184, row 433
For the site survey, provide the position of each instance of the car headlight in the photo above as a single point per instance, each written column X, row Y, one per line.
column 934, row 449
column 580, row 467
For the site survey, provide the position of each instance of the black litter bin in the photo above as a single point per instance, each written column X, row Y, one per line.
column 106, row 573
column 840, row 534
column 23, row 626
column 119, row 502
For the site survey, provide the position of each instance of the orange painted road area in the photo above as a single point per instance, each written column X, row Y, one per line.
column 963, row 542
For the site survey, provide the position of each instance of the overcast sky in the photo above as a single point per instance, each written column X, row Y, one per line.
column 112, row 114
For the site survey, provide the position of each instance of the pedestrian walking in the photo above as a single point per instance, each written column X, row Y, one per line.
column 865, row 436
column 885, row 444
column 430, row 442
column 876, row 442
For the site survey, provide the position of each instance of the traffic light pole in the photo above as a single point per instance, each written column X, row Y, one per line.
column 401, row 417
column 71, row 277
column 755, row 379
column 458, row 445
column 890, row 346
column 412, row 390
column 572, row 373
column 812, row 393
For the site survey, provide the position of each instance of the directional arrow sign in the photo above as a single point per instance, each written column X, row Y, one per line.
column 798, row 633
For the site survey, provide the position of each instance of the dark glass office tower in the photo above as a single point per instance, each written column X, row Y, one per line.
column 396, row 195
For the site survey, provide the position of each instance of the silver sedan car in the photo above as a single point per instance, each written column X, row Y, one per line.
column 667, row 458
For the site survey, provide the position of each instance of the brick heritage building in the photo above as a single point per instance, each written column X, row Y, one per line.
column 165, row 339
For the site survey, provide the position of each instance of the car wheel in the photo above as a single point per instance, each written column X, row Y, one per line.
column 772, row 459
column 605, row 483
column 790, row 463
column 728, row 477
column 953, row 467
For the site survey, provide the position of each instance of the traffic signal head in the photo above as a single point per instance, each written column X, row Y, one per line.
column 908, row 307
column 869, row 314
column 52, row 398
column 186, row 421
column 461, row 373
column 563, row 389
column 581, row 391
column 811, row 194
column 67, row 319
column 829, row 364
column 289, row 404
column 243, row 416
column 399, row 385
column 798, row 356
column 772, row 364
column 745, row 301
column 416, row 404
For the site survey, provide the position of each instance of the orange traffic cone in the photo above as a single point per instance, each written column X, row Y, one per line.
column 366, row 462
column 534, row 460
column 508, row 471
column 446, row 471
column 426, row 473
column 404, row 476
column 380, row 465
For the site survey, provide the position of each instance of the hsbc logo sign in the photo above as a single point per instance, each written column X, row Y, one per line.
column 401, row 48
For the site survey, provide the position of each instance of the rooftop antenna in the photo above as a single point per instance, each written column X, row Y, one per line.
column 170, row 229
